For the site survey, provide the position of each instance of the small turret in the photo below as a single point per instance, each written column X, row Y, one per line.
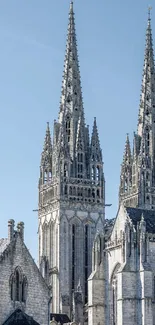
column 78, row 305
column 96, row 163
column 20, row 229
column 46, row 159
column 126, row 171
column 11, row 224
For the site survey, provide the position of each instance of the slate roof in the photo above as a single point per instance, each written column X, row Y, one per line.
column 18, row 317
column 3, row 244
column 62, row 318
column 135, row 215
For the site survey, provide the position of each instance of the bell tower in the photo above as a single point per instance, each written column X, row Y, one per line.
column 71, row 190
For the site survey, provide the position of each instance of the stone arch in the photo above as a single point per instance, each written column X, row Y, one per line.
column 75, row 220
column 88, row 221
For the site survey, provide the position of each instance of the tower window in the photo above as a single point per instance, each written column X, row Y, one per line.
column 93, row 173
column 45, row 176
column 97, row 173
column 93, row 193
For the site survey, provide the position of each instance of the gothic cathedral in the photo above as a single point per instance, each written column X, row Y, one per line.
column 100, row 271
column 71, row 192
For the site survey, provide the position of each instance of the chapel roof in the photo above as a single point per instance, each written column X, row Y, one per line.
column 135, row 214
column 18, row 317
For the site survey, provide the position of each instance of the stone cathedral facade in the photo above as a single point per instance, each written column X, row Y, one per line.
column 71, row 193
column 100, row 271
column 93, row 271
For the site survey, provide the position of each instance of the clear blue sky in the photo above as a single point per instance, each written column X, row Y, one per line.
column 111, row 39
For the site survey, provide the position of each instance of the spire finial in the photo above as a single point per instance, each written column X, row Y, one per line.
column 149, row 13
column 71, row 6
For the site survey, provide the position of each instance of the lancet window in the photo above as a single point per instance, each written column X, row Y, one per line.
column 18, row 286
column 45, row 176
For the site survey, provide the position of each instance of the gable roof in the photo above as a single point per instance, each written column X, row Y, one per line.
column 135, row 215
column 18, row 317
column 5, row 246
column 62, row 318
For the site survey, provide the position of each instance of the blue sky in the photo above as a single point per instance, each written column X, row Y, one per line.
column 111, row 39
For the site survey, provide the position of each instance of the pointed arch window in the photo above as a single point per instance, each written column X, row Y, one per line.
column 50, row 175
column 98, row 173
column 93, row 193
column 18, row 286
column 93, row 173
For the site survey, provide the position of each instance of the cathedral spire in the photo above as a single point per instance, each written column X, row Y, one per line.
column 71, row 95
column 138, row 173
column 148, row 82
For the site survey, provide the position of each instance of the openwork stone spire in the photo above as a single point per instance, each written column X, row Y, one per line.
column 142, row 164
column 71, row 96
column 148, row 84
